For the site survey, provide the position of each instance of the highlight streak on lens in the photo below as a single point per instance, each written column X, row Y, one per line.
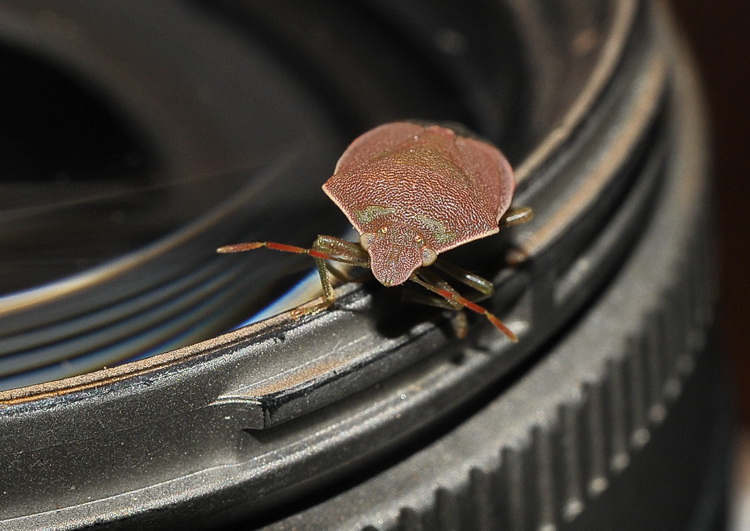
column 149, row 341
column 305, row 290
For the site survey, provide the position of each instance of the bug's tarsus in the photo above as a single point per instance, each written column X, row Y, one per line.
column 460, row 324
column 516, row 216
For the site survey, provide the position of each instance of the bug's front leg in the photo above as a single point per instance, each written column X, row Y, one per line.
column 324, row 248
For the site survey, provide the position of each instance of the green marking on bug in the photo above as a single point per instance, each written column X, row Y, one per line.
column 437, row 229
column 367, row 214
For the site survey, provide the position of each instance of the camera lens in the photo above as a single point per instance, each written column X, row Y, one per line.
column 145, row 136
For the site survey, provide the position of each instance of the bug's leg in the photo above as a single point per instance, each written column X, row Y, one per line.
column 337, row 250
column 324, row 248
column 453, row 296
column 516, row 216
column 437, row 282
column 460, row 324
column 466, row 277
column 458, row 318
column 342, row 251
column 328, row 293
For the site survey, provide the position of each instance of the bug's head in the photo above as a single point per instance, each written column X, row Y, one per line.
column 396, row 251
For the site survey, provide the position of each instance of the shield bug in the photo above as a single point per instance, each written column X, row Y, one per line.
column 412, row 192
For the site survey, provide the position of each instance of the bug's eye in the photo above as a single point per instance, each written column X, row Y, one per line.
column 366, row 240
column 428, row 256
column 383, row 229
column 418, row 239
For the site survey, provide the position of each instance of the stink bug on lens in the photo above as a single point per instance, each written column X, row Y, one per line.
column 412, row 192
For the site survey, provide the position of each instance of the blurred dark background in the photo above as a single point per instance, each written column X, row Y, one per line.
column 719, row 35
